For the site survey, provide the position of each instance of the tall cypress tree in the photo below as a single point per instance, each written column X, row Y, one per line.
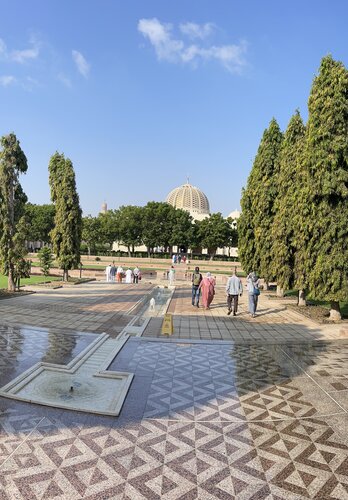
column 327, row 156
column 255, row 226
column 13, row 162
column 285, row 206
column 246, row 232
column 66, row 235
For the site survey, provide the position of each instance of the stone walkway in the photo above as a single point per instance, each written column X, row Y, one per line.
column 273, row 323
column 228, row 408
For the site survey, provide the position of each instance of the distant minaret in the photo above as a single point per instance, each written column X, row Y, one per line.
column 104, row 208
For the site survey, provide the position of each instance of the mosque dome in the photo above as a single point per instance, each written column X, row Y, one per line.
column 191, row 199
column 234, row 215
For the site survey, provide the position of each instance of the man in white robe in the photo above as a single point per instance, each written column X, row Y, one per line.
column 129, row 275
column 107, row 273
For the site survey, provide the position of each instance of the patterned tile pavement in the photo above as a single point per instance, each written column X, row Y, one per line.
column 205, row 419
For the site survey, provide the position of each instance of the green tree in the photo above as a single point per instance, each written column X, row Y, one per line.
column 158, row 219
column 327, row 157
column 255, row 224
column 66, row 234
column 41, row 221
column 13, row 162
column 109, row 228
column 286, row 205
column 91, row 232
column 130, row 224
column 214, row 233
column 246, row 232
column 182, row 229
column 46, row 260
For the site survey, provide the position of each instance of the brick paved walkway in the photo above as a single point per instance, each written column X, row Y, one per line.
column 205, row 418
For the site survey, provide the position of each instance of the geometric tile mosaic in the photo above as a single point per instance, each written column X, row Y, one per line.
column 202, row 420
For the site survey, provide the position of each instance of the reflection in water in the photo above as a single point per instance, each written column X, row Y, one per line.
column 60, row 348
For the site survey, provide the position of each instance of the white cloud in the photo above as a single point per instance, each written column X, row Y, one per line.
column 7, row 80
column 64, row 80
column 176, row 50
column 161, row 38
column 20, row 56
column 82, row 65
column 194, row 30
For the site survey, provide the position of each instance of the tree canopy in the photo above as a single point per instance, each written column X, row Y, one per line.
column 13, row 162
column 66, row 234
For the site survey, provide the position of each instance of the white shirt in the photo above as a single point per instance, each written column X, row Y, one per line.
column 234, row 286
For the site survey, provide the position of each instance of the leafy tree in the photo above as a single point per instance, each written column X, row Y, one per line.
column 130, row 226
column 255, row 225
column 41, row 221
column 327, row 157
column 246, row 232
column 109, row 227
column 158, row 220
column 182, row 229
column 66, row 235
column 214, row 233
column 13, row 162
column 286, row 204
column 46, row 260
column 91, row 231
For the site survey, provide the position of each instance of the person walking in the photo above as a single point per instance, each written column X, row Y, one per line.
column 171, row 276
column 107, row 272
column 129, row 275
column 253, row 292
column 234, row 288
column 112, row 272
column 119, row 274
column 136, row 273
column 207, row 287
column 196, row 281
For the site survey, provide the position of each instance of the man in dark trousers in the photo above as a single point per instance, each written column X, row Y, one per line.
column 196, row 280
column 234, row 288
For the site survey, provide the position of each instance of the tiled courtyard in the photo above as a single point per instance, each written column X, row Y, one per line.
column 227, row 408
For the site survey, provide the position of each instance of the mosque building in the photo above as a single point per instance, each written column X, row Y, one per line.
column 194, row 201
column 191, row 199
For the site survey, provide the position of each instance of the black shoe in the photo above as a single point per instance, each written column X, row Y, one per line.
column 197, row 305
column 229, row 312
column 234, row 314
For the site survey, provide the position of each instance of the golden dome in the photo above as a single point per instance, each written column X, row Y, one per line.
column 191, row 199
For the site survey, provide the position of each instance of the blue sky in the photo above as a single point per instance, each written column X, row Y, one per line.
column 140, row 94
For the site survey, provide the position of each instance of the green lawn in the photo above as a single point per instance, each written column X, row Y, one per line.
column 27, row 281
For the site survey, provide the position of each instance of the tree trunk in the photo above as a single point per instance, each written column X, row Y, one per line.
column 265, row 285
column 335, row 311
column 11, row 285
column 89, row 251
column 133, row 251
column 302, row 298
column 148, row 252
column 280, row 291
column 129, row 251
column 65, row 275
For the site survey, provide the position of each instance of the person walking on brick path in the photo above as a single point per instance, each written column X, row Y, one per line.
column 207, row 287
column 108, row 272
column 171, row 275
column 196, row 281
column 129, row 274
column 253, row 292
column 112, row 273
column 119, row 274
column 136, row 273
column 234, row 288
